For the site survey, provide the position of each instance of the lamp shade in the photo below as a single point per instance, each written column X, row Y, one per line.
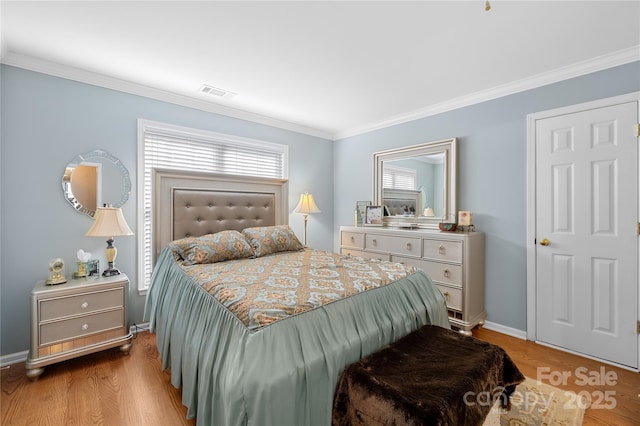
column 306, row 204
column 109, row 222
column 429, row 212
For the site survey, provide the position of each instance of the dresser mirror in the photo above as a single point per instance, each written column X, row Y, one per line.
column 417, row 183
column 93, row 179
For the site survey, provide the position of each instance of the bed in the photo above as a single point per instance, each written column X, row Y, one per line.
column 266, row 364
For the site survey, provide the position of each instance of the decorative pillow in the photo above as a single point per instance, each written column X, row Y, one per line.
column 272, row 239
column 211, row 248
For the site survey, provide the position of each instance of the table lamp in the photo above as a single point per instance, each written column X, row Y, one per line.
column 109, row 222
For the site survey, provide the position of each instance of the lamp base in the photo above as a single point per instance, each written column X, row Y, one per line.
column 110, row 271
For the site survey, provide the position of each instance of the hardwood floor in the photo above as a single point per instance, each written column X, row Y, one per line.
column 110, row 388
column 105, row 388
column 543, row 363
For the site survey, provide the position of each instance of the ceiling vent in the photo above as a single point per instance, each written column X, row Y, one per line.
column 215, row 91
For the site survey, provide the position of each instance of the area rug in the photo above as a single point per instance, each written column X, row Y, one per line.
column 539, row 404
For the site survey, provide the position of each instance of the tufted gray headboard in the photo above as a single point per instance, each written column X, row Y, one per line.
column 199, row 212
column 195, row 204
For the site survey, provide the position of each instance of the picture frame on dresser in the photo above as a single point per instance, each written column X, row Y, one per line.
column 373, row 215
column 361, row 212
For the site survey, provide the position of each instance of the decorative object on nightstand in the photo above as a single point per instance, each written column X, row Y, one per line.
column 109, row 222
column 56, row 272
column 306, row 205
column 82, row 264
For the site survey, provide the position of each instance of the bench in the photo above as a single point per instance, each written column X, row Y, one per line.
column 432, row 376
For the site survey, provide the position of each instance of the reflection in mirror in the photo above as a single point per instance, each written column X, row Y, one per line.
column 417, row 183
column 93, row 179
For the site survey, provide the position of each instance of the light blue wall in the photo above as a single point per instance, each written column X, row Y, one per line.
column 492, row 165
column 46, row 121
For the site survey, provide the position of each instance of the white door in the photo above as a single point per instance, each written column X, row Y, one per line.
column 586, row 232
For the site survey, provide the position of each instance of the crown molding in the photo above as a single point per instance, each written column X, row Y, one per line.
column 96, row 79
column 599, row 63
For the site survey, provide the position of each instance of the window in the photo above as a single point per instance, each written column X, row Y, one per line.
column 177, row 148
column 394, row 177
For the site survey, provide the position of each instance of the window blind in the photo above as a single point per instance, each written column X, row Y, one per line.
column 173, row 148
column 394, row 177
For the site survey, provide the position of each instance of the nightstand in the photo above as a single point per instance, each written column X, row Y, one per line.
column 77, row 318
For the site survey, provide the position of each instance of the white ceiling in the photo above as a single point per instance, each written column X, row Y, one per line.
column 328, row 68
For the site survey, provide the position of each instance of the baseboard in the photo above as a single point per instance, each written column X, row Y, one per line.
column 139, row 327
column 580, row 354
column 10, row 359
column 15, row 358
column 520, row 334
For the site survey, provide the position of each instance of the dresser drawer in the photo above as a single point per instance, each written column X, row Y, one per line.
column 452, row 296
column 365, row 254
column 404, row 246
column 80, row 303
column 443, row 272
column 443, row 250
column 81, row 326
column 352, row 239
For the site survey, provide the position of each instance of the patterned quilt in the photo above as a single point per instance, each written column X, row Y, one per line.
column 263, row 290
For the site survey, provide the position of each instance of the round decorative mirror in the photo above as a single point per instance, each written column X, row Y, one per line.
column 94, row 179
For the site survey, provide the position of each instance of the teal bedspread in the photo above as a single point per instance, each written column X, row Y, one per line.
column 284, row 373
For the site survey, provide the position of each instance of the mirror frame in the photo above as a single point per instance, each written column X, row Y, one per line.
column 100, row 155
column 448, row 147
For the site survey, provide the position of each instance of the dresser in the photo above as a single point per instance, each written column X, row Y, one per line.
column 77, row 318
column 453, row 260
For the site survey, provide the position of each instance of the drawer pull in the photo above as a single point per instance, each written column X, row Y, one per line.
column 447, row 273
column 375, row 242
column 353, row 239
column 441, row 249
column 85, row 327
column 84, row 305
column 446, row 295
column 408, row 246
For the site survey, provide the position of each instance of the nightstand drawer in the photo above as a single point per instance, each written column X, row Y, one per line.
column 352, row 239
column 443, row 272
column 82, row 326
column 452, row 296
column 403, row 246
column 81, row 303
column 443, row 250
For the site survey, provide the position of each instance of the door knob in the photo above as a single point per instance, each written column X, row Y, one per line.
column 544, row 242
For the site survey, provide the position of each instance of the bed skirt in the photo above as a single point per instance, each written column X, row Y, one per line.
column 285, row 373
